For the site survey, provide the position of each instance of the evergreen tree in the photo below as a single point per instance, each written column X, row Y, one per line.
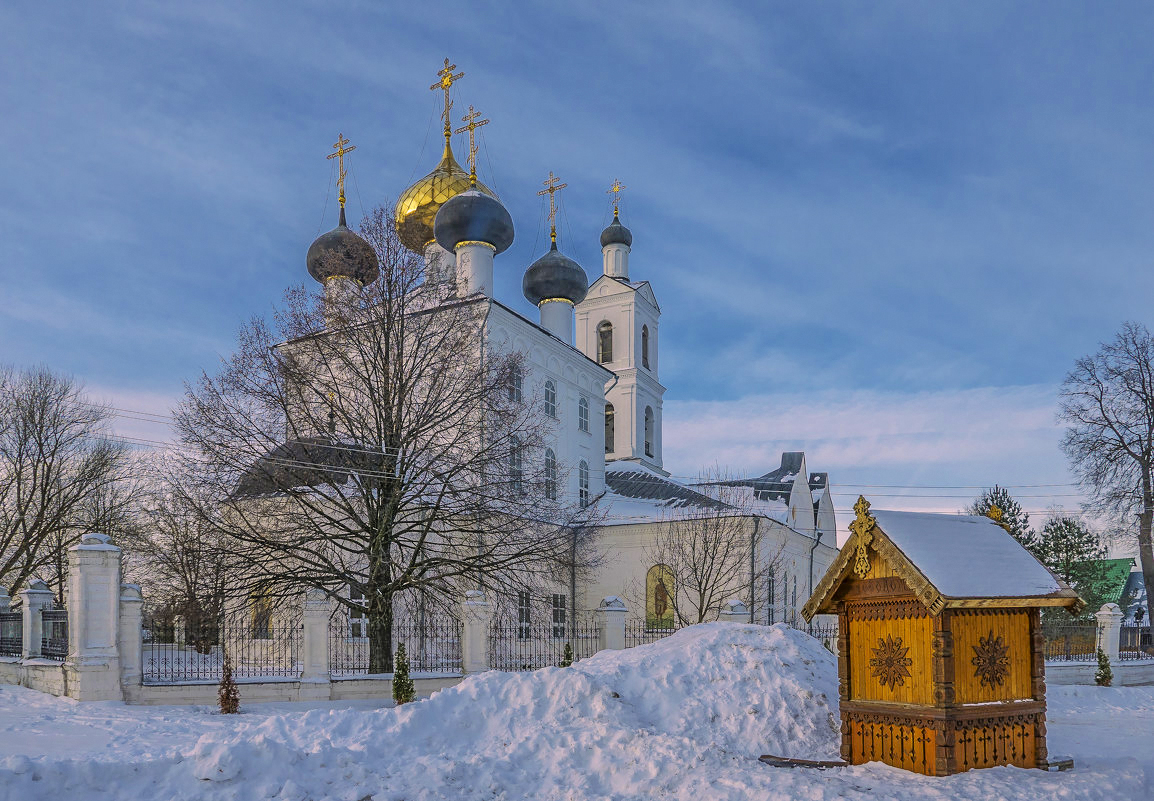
column 1104, row 676
column 1075, row 553
column 403, row 690
column 567, row 656
column 999, row 505
column 229, row 693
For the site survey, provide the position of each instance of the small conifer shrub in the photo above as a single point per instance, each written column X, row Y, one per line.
column 1104, row 677
column 403, row 690
column 229, row 693
column 567, row 656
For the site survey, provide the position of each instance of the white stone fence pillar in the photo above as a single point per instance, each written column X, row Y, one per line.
column 129, row 641
column 315, row 637
column 734, row 611
column 476, row 619
column 35, row 598
column 92, row 668
column 1109, row 619
column 610, row 616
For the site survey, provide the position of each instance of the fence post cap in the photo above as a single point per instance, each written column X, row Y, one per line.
column 474, row 596
column 131, row 592
column 612, row 602
column 37, row 585
column 94, row 541
column 735, row 606
column 1109, row 610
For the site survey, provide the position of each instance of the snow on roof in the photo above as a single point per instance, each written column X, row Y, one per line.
column 638, row 494
column 966, row 556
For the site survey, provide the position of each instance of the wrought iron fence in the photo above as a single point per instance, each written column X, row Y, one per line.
column 11, row 633
column 1135, row 642
column 639, row 632
column 1075, row 642
column 529, row 646
column 432, row 644
column 195, row 651
column 826, row 633
column 54, row 640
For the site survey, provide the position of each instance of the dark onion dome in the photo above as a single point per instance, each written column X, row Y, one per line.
column 342, row 252
column 418, row 205
column 555, row 276
column 473, row 216
column 616, row 234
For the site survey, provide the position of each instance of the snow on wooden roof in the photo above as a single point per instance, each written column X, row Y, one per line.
column 947, row 561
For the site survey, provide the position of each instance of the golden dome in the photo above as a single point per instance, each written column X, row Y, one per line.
column 418, row 205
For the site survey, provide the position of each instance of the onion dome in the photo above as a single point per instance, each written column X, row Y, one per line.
column 473, row 216
column 616, row 233
column 418, row 205
column 341, row 252
column 555, row 276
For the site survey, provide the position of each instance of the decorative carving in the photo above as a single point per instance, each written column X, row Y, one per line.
column 991, row 660
column 862, row 527
column 890, row 663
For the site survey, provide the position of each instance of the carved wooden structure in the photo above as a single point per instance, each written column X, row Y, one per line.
column 932, row 682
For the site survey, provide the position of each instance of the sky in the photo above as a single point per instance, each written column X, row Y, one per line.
column 879, row 233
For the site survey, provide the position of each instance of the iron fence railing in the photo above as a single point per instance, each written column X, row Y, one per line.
column 1135, row 642
column 1075, row 642
column 638, row 632
column 54, row 639
column 826, row 633
column 529, row 646
column 196, row 650
column 11, row 633
column 432, row 644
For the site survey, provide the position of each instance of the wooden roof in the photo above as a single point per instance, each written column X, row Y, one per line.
column 947, row 561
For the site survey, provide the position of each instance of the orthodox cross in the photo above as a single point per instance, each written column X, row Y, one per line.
column 339, row 155
column 447, row 80
column 551, row 188
column 471, row 125
column 616, row 192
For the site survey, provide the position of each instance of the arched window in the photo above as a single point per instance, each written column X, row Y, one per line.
column 659, row 598
column 515, row 464
column 583, row 483
column 550, row 474
column 605, row 342
column 648, row 431
column 609, row 428
column 516, row 384
column 583, row 415
column 550, row 398
column 645, row 346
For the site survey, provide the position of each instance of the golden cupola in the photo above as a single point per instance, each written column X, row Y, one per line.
column 418, row 205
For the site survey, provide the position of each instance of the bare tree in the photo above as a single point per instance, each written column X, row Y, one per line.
column 368, row 442
column 707, row 552
column 1108, row 402
column 60, row 473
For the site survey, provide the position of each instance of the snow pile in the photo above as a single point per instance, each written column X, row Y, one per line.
column 683, row 718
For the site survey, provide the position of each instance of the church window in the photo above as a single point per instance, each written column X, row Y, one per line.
column 358, row 618
column 583, row 483
column 516, row 384
column 550, row 398
column 583, row 415
column 558, row 615
column 524, row 617
column 659, row 598
column 771, row 581
column 648, row 431
column 645, row 346
column 609, row 428
column 605, row 342
column 261, row 616
column 515, row 464
column 550, row 474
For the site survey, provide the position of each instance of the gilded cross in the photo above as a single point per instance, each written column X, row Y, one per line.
column 471, row 125
column 339, row 155
column 447, row 80
column 551, row 188
column 615, row 190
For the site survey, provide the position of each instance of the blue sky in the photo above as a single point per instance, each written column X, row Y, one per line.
column 879, row 232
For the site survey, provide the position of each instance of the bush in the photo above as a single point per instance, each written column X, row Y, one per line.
column 1104, row 677
column 229, row 693
column 567, row 656
column 403, row 690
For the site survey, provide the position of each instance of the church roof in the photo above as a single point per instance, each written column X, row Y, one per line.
column 777, row 485
column 947, row 561
column 637, row 494
column 306, row 462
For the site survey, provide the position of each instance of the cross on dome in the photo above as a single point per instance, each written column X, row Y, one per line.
column 551, row 188
column 448, row 78
column 471, row 125
column 615, row 190
column 339, row 155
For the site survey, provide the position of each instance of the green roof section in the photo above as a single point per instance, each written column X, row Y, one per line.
column 1105, row 579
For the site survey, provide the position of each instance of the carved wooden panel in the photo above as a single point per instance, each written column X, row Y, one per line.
column 993, row 655
column 916, row 636
column 902, row 745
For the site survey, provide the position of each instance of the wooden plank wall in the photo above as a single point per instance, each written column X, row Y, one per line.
column 1013, row 626
column 867, row 632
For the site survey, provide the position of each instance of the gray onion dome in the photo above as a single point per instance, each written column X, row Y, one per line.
column 340, row 252
column 473, row 216
column 555, row 276
column 616, row 234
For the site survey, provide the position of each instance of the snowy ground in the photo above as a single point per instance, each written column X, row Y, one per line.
column 684, row 718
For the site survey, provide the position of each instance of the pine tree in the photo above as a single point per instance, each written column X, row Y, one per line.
column 1104, row 677
column 229, row 693
column 998, row 505
column 1075, row 553
column 403, row 690
column 567, row 656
